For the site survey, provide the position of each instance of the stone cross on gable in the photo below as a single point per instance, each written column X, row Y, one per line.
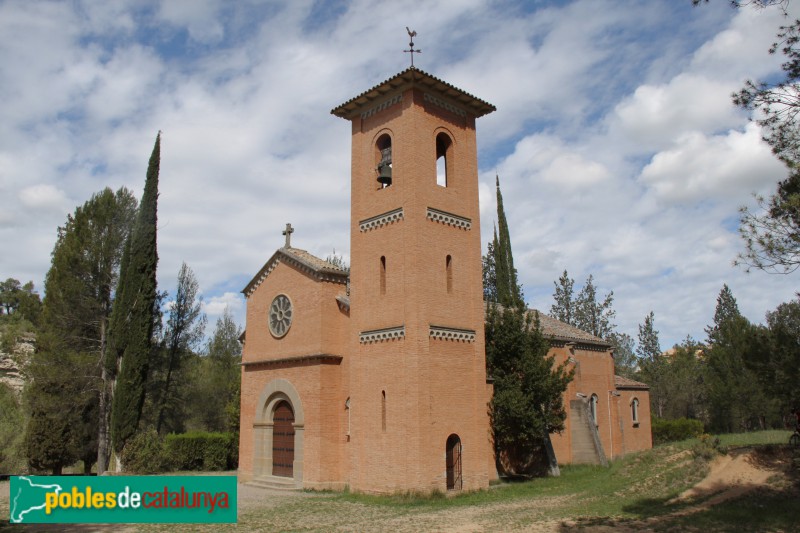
column 288, row 233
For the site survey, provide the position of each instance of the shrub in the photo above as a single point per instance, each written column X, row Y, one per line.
column 200, row 451
column 144, row 453
column 707, row 447
column 674, row 430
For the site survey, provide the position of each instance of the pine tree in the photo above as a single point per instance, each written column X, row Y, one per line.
column 78, row 287
column 564, row 307
column 736, row 399
column 592, row 316
column 218, row 378
column 649, row 348
column 653, row 366
column 132, row 319
column 625, row 363
column 727, row 309
column 184, row 331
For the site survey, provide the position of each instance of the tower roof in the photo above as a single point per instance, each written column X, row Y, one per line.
column 413, row 77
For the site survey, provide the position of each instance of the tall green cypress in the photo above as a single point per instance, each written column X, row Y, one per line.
column 130, row 342
column 509, row 292
column 528, row 385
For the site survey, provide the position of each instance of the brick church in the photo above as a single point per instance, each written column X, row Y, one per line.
column 375, row 378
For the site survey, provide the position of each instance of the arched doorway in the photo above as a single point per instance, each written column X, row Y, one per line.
column 283, row 440
column 453, row 462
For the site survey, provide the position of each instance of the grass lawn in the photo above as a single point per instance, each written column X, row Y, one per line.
column 634, row 493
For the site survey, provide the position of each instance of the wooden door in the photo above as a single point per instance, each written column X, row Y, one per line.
column 283, row 440
column 453, row 462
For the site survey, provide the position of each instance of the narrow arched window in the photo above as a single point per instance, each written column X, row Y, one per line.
column 347, row 408
column 635, row 411
column 593, row 409
column 383, row 275
column 383, row 410
column 449, row 273
column 383, row 160
column 443, row 159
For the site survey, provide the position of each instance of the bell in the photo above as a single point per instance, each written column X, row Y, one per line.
column 385, row 175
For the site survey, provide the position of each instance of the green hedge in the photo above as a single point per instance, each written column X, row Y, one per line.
column 201, row 451
column 675, row 430
column 144, row 453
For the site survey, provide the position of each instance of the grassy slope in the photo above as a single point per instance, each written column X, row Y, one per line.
column 632, row 492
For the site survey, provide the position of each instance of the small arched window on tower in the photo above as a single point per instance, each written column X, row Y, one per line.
column 383, row 410
column 383, row 275
column 444, row 161
column 635, row 412
column 593, row 408
column 384, row 161
column 449, row 271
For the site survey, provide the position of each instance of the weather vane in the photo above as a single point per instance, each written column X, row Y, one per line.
column 411, row 35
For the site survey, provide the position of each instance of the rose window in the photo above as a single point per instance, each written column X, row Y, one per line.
column 280, row 315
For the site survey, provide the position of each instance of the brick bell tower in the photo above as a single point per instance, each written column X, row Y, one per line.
column 417, row 371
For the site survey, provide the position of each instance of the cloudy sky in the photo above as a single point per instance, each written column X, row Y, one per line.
column 617, row 146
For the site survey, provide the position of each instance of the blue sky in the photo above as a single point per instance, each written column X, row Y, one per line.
column 617, row 146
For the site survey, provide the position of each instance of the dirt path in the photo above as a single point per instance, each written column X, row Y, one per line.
column 732, row 476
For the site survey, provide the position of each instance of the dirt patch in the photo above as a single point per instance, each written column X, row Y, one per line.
column 734, row 475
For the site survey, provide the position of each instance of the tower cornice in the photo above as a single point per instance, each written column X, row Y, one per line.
column 413, row 77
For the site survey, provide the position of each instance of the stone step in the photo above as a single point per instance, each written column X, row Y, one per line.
column 273, row 482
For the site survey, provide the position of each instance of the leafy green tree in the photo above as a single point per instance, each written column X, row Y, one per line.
column 75, row 311
column 132, row 319
column 653, row 366
column 490, row 272
column 184, row 332
column 592, row 316
column 564, row 307
column 625, row 362
column 772, row 234
column 59, row 402
column 12, row 420
column 218, row 378
column 649, row 348
column 737, row 402
column 528, row 389
column 685, row 395
column 19, row 302
column 778, row 365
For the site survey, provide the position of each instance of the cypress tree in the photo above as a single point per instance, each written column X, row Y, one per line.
column 528, row 386
column 509, row 292
column 133, row 314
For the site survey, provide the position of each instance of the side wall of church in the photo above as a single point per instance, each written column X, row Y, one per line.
column 594, row 375
column 636, row 436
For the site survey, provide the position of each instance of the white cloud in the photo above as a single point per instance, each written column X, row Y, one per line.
column 42, row 196
column 216, row 305
column 655, row 115
column 701, row 166
column 618, row 150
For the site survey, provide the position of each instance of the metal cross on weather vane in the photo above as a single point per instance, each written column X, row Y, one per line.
column 411, row 35
column 288, row 233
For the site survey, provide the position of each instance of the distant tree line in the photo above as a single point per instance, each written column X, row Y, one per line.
column 742, row 377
